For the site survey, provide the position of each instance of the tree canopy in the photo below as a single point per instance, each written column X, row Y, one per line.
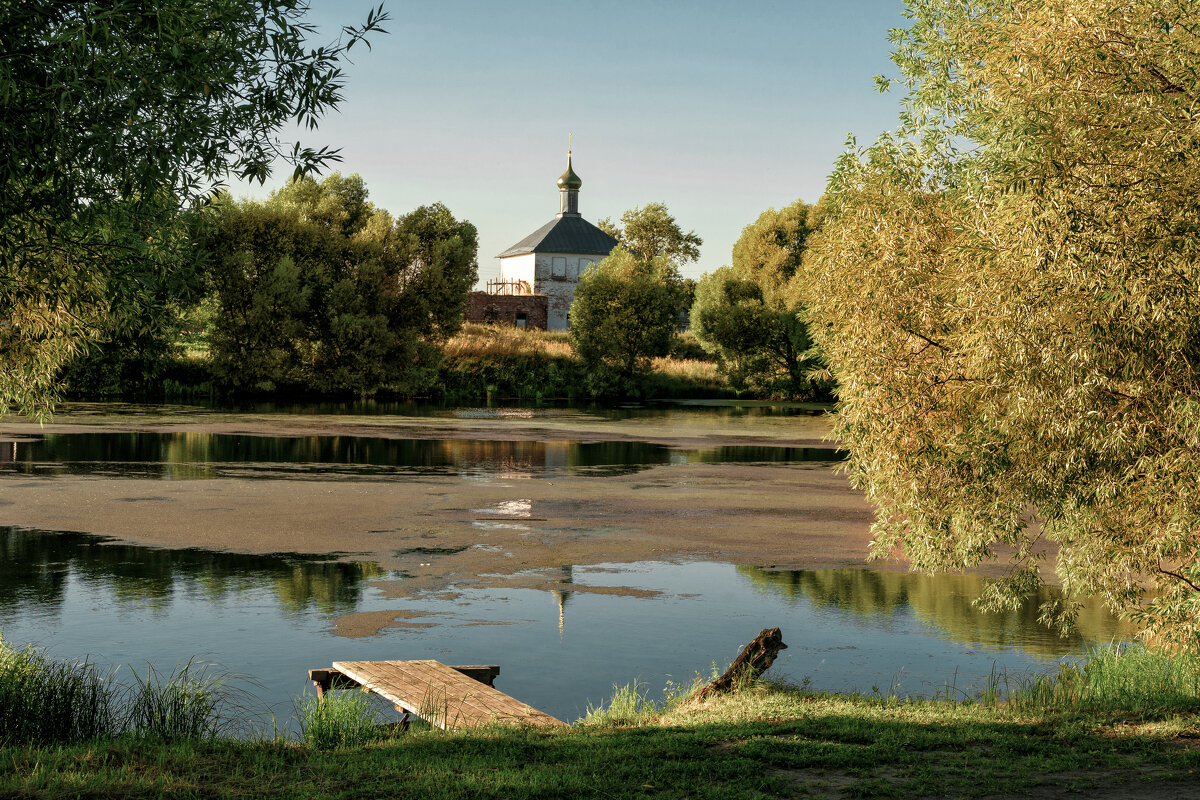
column 625, row 312
column 651, row 232
column 318, row 290
column 1006, row 292
column 115, row 117
column 746, row 314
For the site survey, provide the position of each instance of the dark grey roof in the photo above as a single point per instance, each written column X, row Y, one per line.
column 566, row 233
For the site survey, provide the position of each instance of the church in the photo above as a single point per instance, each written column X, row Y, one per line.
column 547, row 262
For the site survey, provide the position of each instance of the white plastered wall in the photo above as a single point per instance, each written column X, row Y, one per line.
column 557, row 275
column 518, row 268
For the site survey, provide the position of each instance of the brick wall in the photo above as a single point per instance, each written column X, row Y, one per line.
column 503, row 309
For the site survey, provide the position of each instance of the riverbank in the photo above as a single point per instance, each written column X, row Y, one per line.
column 480, row 363
column 486, row 362
column 767, row 742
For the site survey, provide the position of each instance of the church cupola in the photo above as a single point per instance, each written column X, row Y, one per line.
column 568, row 190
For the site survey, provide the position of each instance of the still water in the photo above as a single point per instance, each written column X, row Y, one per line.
column 272, row 617
column 213, row 455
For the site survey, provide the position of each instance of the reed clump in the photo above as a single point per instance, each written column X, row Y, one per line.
column 630, row 705
column 191, row 702
column 1123, row 680
column 43, row 701
column 46, row 701
column 340, row 720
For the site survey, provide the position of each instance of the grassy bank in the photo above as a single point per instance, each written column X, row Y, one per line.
column 766, row 742
column 481, row 363
column 1075, row 732
column 506, row 363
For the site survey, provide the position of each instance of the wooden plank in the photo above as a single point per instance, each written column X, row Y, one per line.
column 484, row 673
column 403, row 689
column 445, row 696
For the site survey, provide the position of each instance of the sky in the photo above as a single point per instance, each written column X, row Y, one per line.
column 718, row 108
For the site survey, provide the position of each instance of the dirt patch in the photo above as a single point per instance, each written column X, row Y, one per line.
column 830, row 783
column 1103, row 785
column 372, row 623
column 675, row 430
column 431, row 528
column 1109, row 785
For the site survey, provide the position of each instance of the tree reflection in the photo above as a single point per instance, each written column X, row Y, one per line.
column 943, row 601
column 193, row 455
column 37, row 566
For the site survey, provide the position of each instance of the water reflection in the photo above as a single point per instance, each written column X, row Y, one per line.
column 36, row 568
column 562, row 593
column 655, row 409
column 944, row 602
column 269, row 617
column 209, row 455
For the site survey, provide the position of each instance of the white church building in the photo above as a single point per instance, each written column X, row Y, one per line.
column 551, row 259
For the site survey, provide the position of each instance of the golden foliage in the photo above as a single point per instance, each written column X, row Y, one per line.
column 1008, row 294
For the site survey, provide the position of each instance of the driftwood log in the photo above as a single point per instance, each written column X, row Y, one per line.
column 755, row 659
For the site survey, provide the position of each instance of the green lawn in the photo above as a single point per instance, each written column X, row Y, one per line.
column 768, row 741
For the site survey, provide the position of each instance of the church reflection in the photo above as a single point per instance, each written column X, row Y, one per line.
column 37, row 567
column 562, row 594
column 942, row 601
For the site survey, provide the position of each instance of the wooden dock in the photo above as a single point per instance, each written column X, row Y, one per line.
column 448, row 697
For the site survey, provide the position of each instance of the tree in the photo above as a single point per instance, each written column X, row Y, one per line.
column 624, row 314
column 1006, row 294
column 115, row 117
column 651, row 232
column 746, row 315
column 770, row 249
column 766, row 350
column 319, row 290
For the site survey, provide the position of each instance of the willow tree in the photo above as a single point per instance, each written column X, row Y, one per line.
column 116, row 116
column 1007, row 292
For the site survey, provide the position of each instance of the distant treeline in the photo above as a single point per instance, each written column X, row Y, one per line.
column 316, row 293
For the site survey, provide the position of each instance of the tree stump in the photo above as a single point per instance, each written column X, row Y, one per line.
column 755, row 659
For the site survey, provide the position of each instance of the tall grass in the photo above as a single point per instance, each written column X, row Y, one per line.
column 43, row 701
column 341, row 720
column 501, row 361
column 477, row 339
column 498, row 361
column 192, row 702
column 687, row 377
column 629, row 705
column 47, row 701
column 1122, row 679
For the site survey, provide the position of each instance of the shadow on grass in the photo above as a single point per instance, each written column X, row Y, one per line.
column 917, row 750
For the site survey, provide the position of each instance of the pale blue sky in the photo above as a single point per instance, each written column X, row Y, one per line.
column 720, row 109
